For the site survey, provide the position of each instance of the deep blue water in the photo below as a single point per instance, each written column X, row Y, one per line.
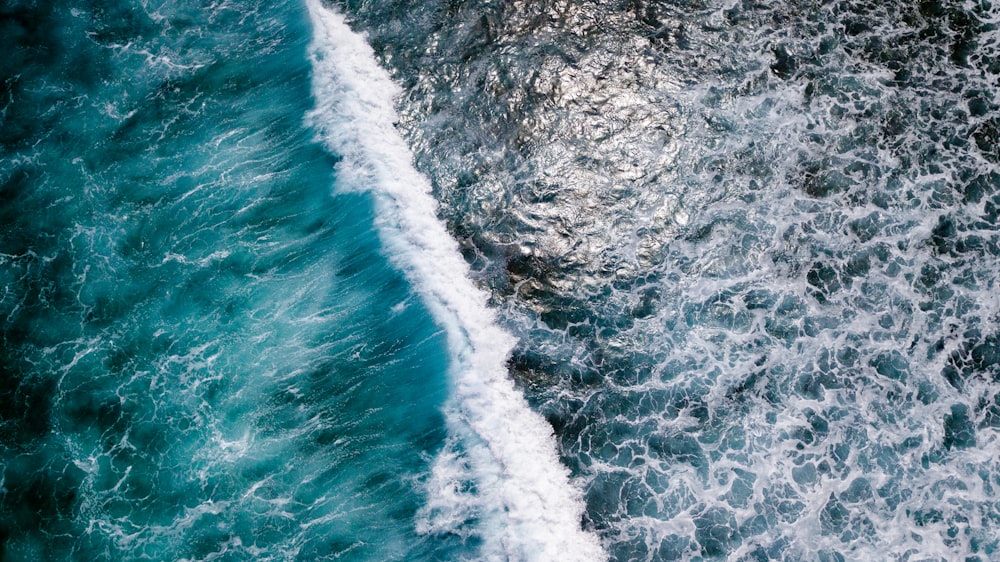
column 740, row 258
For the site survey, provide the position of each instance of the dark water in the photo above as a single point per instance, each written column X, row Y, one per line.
column 749, row 249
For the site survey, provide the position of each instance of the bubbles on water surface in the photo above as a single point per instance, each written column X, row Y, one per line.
column 750, row 250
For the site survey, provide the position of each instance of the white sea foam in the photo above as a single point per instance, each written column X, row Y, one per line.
column 525, row 504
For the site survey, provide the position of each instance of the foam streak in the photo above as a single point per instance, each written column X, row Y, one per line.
column 523, row 500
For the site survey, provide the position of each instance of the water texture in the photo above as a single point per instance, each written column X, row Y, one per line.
column 749, row 250
column 741, row 256
column 205, row 354
column 498, row 480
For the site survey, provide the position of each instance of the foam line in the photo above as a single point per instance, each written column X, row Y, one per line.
column 525, row 504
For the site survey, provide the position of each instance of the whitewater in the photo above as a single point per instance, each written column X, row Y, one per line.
column 530, row 510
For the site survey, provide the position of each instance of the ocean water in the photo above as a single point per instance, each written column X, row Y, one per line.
column 749, row 251
column 553, row 280
column 205, row 353
column 234, row 327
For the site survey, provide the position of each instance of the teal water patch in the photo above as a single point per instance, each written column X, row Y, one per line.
column 204, row 353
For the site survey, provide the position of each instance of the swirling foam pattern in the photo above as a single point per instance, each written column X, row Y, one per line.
column 750, row 250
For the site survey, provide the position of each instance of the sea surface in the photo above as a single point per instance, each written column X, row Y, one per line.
column 500, row 280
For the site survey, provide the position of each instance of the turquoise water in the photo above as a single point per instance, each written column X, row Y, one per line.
column 205, row 354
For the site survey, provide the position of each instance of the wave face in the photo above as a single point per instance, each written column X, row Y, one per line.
column 205, row 354
column 749, row 250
